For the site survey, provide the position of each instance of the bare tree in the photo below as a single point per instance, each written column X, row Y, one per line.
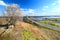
column 13, row 11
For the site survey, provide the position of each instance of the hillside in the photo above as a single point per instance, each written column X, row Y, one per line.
column 26, row 31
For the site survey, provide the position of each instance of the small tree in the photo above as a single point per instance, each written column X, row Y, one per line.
column 13, row 12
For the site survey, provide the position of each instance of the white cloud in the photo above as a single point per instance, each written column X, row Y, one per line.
column 28, row 12
column 55, row 11
column 31, row 11
column 58, row 1
column 53, row 4
column 45, row 8
column 3, row 3
column 49, row 13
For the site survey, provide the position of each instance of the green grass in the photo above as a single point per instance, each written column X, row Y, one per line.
column 53, row 24
column 46, row 27
column 51, row 29
column 28, row 35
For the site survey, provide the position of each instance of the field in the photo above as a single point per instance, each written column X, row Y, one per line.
column 29, row 31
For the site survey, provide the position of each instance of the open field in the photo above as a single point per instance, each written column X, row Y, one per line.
column 28, row 31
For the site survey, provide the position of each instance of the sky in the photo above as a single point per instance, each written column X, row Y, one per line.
column 34, row 7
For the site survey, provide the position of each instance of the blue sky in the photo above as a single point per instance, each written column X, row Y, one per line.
column 34, row 7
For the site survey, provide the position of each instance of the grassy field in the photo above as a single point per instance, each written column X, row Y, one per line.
column 26, row 31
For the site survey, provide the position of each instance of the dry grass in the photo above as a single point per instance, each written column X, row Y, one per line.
column 32, row 32
column 42, row 33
